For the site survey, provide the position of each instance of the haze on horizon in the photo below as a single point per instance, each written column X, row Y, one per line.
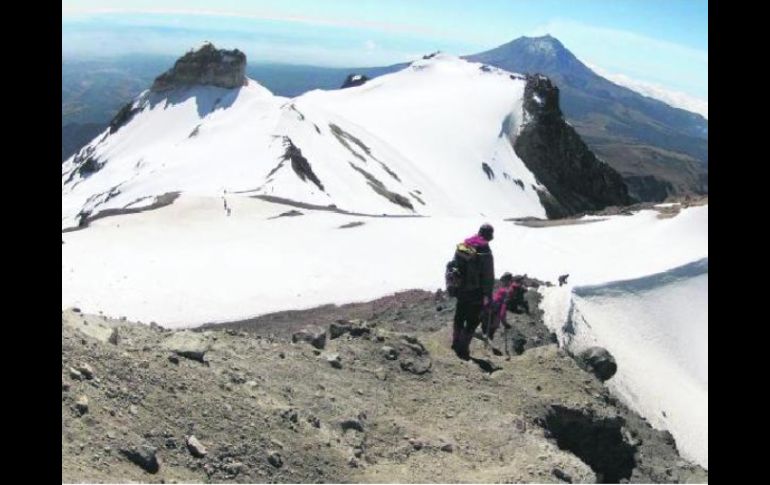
column 657, row 48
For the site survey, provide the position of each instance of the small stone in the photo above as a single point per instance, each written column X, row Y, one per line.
column 173, row 359
column 290, row 415
column 142, row 455
column 313, row 335
column 132, row 409
column 65, row 386
column 352, row 424
column 114, row 337
column 75, row 374
column 520, row 425
column 191, row 345
column 416, row 366
column 559, row 473
column 275, row 459
column 416, row 444
column 448, row 447
column 277, row 443
column 234, row 468
column 81, row 405
column 195, row 447
column 389, row 352
column 86, row 370
column 334, row 360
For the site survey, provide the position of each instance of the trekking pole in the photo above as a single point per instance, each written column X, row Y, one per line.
column 488, row 329
column 507, row 337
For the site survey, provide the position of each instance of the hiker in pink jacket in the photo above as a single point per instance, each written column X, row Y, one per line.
column 498, row 308
column 509, row 297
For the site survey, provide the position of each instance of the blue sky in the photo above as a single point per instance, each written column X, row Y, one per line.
column 658, row 42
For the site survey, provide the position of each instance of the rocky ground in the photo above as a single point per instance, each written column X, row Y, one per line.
column 671, row 208
column 367, row 392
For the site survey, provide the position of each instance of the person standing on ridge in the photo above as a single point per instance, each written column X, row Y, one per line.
column 475, row 264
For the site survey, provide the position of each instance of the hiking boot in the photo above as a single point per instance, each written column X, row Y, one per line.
column 456, row 348
column 463, row 354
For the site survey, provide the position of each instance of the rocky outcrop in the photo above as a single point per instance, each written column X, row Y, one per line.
column 574, row 178
column 354, row 80
column 299, row 163
column 126, row 114
column 205, row 66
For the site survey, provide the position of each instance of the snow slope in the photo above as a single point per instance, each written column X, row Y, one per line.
column 411, row 142
column 656, row 327
column 189, row 262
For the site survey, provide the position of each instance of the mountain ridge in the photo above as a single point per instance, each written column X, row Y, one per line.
column 403, row 143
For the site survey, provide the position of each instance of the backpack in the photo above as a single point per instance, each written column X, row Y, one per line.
column 462, row 272
column 453, row 278
column 516, row 298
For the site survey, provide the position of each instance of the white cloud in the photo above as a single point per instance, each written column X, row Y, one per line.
column 269, row 15
column 561, row 27
column 674, row 98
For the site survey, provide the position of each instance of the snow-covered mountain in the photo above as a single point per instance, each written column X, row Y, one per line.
column 436, row 138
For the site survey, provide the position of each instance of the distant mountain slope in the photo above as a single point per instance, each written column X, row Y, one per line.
column 658, row 149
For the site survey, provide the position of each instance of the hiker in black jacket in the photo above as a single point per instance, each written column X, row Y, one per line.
column 475, row 257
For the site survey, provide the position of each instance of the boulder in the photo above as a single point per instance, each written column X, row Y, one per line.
column 599, row 362
column 312, row 335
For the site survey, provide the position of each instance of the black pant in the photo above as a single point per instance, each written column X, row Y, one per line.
column 467, row 318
